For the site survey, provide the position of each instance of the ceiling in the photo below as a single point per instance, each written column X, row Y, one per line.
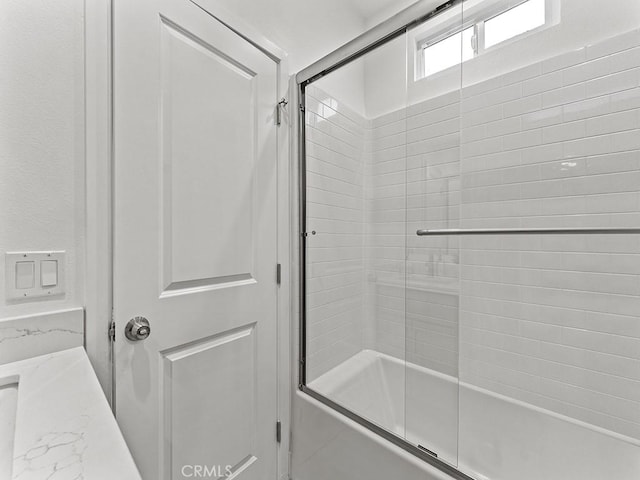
column 305, row 29
column 309, row 29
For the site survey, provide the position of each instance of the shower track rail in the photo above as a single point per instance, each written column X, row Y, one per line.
column 527, row 231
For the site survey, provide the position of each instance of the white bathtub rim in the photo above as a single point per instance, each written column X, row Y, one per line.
column 369, row 355
column 559, row 416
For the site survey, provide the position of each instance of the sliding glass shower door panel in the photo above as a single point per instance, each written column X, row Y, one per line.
column 435, row 52
column 354, row 236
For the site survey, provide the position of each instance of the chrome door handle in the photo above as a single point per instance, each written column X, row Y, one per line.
column 137, row 329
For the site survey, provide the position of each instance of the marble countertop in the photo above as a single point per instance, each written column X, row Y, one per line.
column 64, row 427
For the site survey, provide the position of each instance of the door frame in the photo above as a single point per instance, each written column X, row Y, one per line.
column 99, row 183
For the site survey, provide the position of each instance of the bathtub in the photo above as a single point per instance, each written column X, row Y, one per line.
column 487, row 436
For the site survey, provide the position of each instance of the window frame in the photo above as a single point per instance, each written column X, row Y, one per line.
column 476, row 18
column 548, row 18
column 441, row 38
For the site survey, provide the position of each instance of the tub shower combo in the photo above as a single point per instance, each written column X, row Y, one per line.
column 470, row 237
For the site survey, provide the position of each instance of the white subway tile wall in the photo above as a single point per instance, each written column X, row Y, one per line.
column 335, row 211
column 413, row 179
column 549, row 320
column 385, row 213
column 555, row 320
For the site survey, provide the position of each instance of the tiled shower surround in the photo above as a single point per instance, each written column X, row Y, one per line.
column 553, row 321
column 335, row 199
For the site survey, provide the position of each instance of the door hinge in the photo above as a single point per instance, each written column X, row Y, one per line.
column 278, row 274
column 278, row 432
column 279, row 107
column 112, row 331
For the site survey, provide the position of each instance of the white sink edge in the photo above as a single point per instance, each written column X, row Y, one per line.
column 8, row 410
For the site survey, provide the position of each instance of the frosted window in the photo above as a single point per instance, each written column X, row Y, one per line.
column 518, row 20
column 449, row 52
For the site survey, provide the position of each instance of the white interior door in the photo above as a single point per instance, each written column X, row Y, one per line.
column 195, row 243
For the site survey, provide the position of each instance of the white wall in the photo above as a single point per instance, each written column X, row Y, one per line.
column 385, row 84
column 42, row 139
column 346, row 84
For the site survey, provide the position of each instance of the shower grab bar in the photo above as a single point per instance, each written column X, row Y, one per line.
column 527, row 231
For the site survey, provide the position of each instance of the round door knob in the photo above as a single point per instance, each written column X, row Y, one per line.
column 137, row 329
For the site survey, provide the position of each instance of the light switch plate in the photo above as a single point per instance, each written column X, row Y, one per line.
column 36, row 291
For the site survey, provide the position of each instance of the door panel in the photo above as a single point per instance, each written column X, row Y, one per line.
column 229, row 429
column 201, row 131
column 195, row 242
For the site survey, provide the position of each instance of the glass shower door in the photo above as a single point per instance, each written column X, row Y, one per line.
column 435, row 52
column 354, row 237
column 472, row 239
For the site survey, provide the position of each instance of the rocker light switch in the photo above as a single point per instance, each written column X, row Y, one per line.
column 49, row 273
column 25, row 275
column 32, row 275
